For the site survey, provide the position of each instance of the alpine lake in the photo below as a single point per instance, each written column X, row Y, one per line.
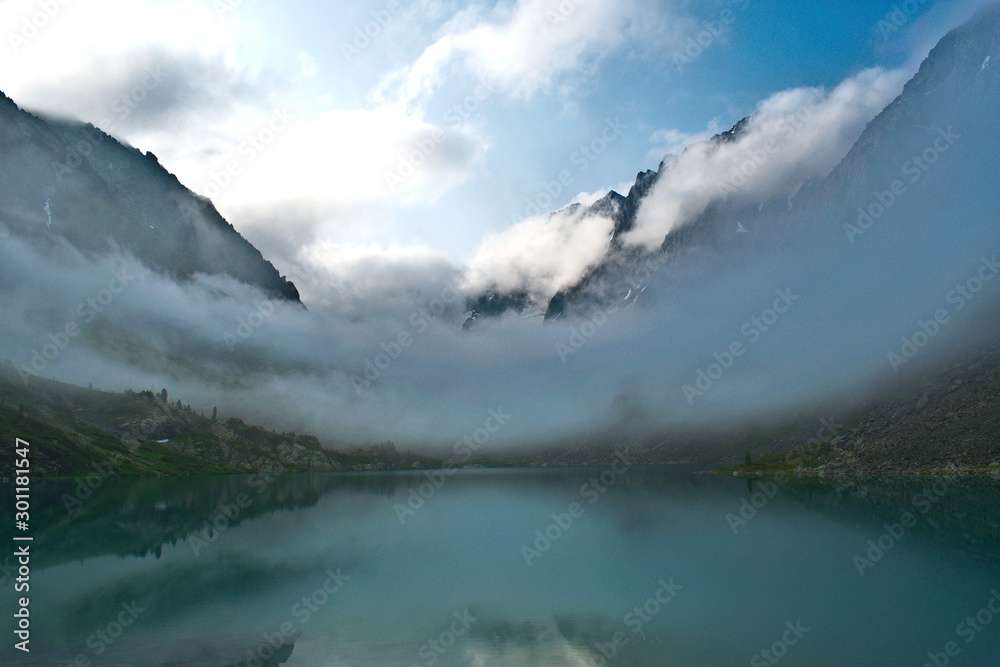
column 641, row 565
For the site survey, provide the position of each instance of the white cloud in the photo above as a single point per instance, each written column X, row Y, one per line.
column 373, row 280
column 673, row 142
column 337, row 157
column 337, row 170
column 233, row 123
column 590, row 198
column 307, row 63
column 77, row 58
column 540, row 255
column 587, row 198
column 794, row 135
column 521, row 47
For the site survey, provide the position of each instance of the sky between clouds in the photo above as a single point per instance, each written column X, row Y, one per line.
column 357, row 162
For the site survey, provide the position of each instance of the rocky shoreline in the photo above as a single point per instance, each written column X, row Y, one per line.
column 946, row 424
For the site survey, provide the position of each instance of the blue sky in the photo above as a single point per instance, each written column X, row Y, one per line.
column 316, row 197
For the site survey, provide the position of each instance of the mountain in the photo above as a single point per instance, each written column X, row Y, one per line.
column 953, row 94
column 624, row 270
column 69, row 181
column 76, row 431
column 942, row 422
column 949, row 106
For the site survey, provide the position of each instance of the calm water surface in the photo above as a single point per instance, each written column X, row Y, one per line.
column 645, row 566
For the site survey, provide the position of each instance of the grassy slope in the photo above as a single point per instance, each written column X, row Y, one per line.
column 71, row 430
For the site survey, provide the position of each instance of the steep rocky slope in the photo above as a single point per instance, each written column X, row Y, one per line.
column 69, row 181
column 77, row 431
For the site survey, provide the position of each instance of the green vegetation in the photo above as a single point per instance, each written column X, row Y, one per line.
column 494, row 462
column 74, row 431
column 803, row 460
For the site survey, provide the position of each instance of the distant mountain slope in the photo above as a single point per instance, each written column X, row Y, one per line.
column 77, row 431
column 71, row 180
column 956, row 87
column 943, row 421
column 953, row 99
column 623, row 271
column 949, row 421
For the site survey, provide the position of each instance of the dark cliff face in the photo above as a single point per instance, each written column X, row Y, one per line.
column 71, row 180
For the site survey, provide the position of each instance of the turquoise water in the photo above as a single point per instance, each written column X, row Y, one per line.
column 640, row 566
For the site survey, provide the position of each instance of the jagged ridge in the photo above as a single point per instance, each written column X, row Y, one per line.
column 104, row 196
